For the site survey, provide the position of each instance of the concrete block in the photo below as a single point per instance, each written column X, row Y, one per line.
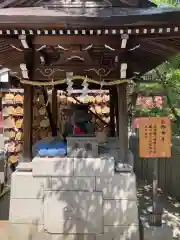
column 131, row 159
column 47, row 183
column 2, row 177
column 87, row 167
column 73, row 212
column 112, row 143
column 158, row 233
column 73, row 237
column 4, row 228
column 120, row 186
column 27, row 232
column 120, row 212
column 26, row 211
column 24, row 166
column 119, row 233
column 3, row 138
column 73, row 183
column 123, row 168
column 45, row 167
column 24, row 185
column 88, row 145
column 81, row 153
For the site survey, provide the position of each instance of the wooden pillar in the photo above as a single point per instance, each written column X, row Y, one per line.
column 112, row 112
column 54, row 110
column 27, row 123
column 116, row 112
column 29, row 60
column 122, row 122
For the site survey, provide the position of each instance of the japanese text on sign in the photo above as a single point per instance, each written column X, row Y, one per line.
column 155, row 137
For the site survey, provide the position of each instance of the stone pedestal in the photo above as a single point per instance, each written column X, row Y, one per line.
column 84, row 146
column 73, row 198
column 158, row 233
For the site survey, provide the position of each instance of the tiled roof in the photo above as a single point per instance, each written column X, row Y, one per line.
column 24, row 11
column 37, row 3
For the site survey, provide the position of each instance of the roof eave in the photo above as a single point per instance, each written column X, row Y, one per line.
column 89, row 17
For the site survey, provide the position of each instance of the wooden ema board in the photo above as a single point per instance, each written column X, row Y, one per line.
column 155, row 137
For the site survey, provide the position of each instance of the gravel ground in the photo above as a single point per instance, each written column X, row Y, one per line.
column 171, row 207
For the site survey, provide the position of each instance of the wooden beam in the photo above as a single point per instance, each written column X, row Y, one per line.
column 112, row 112
column 164, row 47
column 85, row 40
column 155, row 52
column 123, row 122
column 10, row 40
column 171, row 44
column 27, row 123
column 28, row 109
column 11, row 58
column 157, row 36
column 116, row 111
column 54, row 110
column 139, row 62
column 43, row 73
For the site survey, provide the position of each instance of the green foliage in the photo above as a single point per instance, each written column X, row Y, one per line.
column 173, row 84
column 169, row 87
column 150, row 89
column 158, row 112
column 171, row 3
column 154, row 112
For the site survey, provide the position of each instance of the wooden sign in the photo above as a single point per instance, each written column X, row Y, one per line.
column 155, row 137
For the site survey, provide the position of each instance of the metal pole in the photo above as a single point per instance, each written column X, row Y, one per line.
column 156, row 216
column 155, row 185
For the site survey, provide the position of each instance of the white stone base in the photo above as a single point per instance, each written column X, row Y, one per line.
column 119, row 233
column 27, row 232
column 158, row 233
column 36, row 232
column 73, row 199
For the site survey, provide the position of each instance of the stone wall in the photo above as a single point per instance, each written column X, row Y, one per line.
column 73, row 198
